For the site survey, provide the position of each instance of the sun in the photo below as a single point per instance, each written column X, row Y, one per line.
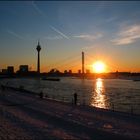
column 98, row 67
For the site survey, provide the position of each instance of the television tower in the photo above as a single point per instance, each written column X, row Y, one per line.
column 38, row 48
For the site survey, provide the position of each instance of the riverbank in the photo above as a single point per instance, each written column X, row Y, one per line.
column 27, row 116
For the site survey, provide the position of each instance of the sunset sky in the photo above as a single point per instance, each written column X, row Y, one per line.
column 107, row 31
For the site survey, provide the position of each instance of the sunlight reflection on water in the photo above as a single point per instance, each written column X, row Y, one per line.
column 98, row 97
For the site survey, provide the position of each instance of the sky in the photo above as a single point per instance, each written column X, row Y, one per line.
column 108, row 31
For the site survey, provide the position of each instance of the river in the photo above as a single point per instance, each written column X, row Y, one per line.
column 116, row 94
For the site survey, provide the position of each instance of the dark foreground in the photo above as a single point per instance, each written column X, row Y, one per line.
column 26, row 116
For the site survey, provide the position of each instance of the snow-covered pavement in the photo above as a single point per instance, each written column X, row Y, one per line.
column 26, row 116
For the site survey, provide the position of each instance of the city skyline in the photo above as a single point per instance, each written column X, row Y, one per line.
column 105, row 31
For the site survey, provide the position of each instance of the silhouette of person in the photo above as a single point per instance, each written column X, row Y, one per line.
column 21, row 88
column 75, row 98
column 41, row 94
column 2, row 87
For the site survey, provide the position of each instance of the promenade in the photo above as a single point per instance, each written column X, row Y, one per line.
column 27, row 116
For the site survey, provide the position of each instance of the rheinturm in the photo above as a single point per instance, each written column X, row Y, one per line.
column 38, row 48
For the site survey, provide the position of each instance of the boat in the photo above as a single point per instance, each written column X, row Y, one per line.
column 51, row 79
column 136, row 80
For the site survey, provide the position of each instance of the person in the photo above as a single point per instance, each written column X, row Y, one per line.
column 21, row 88
column 75, row 98
column 2, row 87
column 41, row 94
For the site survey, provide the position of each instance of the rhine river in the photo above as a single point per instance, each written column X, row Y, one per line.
column 118, row 94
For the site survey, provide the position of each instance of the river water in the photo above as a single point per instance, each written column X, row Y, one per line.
column 118, row 94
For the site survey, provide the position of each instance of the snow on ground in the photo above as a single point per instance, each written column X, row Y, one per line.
column 26, row 116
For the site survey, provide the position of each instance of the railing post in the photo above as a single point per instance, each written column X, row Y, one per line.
column 84, row 102
column 63, row 99
column 113, row 107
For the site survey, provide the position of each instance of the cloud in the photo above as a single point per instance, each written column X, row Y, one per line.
column 89, row 37
column 62, row 34
column 53, row 37
column 111, row 19
column 85, row 48
column 128, row 35
column 37, row 9
column 44, row 16
column 15, row 34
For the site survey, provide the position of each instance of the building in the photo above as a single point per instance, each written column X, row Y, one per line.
column 79, row 71
column 23, row 69
column 87, row 71
column 70, row 71
column 4, row 71
column 10, row 69
column 65, row 71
